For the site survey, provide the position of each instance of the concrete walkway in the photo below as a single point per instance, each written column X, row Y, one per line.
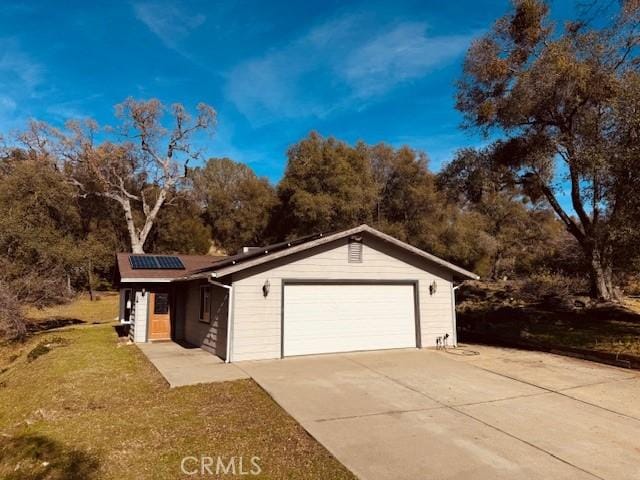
column 479, row 412
column 181, row 365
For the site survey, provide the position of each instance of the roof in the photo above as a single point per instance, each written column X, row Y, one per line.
column 192, row 264
column 242, row 261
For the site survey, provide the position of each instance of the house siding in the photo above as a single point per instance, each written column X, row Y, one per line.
column 256, row 331
column 139, row 325
column 212, row 336
column 122, row 304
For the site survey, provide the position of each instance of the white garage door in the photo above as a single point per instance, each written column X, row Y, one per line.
column 325, row 318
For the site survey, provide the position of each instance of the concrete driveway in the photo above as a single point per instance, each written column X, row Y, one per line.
column 183, row 365
column 495, row 414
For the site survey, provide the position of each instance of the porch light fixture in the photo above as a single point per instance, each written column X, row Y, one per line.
column 433, row 288
column 266, row 287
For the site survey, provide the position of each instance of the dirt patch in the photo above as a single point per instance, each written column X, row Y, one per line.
column 29, row 456
column 52, row 323
column 45, row 346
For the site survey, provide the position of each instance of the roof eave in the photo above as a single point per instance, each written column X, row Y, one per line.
column 459, row 271
column 227, row 270
column 145, row 280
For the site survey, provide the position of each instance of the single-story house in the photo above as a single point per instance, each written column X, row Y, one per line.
column 358, row 289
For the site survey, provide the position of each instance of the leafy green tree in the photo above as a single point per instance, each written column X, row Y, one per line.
column 519, row 229
column 180, row 229
column 408, row 204
column 39, row 229
column 327, row 186
column 237, row 203
column 556, row 95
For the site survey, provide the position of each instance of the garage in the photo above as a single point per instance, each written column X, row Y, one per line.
column 354, row 290
column 322, row 317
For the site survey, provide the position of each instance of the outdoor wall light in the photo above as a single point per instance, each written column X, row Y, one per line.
column 144, row 291
column 433, row 288
column 266, row 287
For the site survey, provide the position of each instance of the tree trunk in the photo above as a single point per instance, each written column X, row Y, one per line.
column 601, row 277
column 136, row 246
column 495, row 267
column 90, row 281
column 151, row 215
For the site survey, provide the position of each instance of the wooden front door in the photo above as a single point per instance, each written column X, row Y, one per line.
column 159, row 316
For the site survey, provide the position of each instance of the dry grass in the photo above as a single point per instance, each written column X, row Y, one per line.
column 89, row 407
column 612, row 329
column 633, row 304
column 102, row 310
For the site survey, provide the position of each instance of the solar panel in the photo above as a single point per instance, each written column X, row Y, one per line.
column 170, row 262
column 141, row 262
column 155, row 262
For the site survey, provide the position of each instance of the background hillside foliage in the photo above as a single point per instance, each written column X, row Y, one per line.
column 561, row 102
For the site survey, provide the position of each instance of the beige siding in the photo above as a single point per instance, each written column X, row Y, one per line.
column 256, row 327
column 139, row 325
column 210, row 336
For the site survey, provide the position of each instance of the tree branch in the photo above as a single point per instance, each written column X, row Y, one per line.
column 555, row 205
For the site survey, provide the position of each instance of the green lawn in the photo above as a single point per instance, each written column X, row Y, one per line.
column 89, row 407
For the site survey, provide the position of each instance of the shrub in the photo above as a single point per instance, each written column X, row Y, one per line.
column 546, row 285
column 12, row 323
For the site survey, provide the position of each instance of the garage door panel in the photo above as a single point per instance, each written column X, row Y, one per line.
column 325, row 318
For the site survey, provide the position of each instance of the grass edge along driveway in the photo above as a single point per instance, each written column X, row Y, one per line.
column 87, row 407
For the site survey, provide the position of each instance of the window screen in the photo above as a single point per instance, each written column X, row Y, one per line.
column 355, row 251
column 161, row 304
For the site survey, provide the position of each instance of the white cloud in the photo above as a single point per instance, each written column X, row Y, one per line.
column 168, row 22
column 400, row 54
column 64, row 112
column 20, row 80
column 17, row 70
column 7, row 104
column 336, row 65
column 73, row 109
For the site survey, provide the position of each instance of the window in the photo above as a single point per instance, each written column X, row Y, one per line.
column 355, row 250
column 205, row 304
column 161, row 304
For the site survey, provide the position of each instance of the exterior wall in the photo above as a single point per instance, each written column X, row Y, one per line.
column 122, row 304
column 179, row 297
column 256, row 330
column 138, row 332
column 210, row 336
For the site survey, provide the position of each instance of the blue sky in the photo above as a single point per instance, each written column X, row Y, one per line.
column 375, row 71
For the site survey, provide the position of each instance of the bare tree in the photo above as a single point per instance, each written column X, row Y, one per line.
column 138, row 168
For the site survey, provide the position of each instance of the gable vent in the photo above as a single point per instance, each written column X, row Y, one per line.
column 355, row 250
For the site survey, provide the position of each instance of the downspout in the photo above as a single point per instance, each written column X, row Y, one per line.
column 227, row 357
column 453, row 312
